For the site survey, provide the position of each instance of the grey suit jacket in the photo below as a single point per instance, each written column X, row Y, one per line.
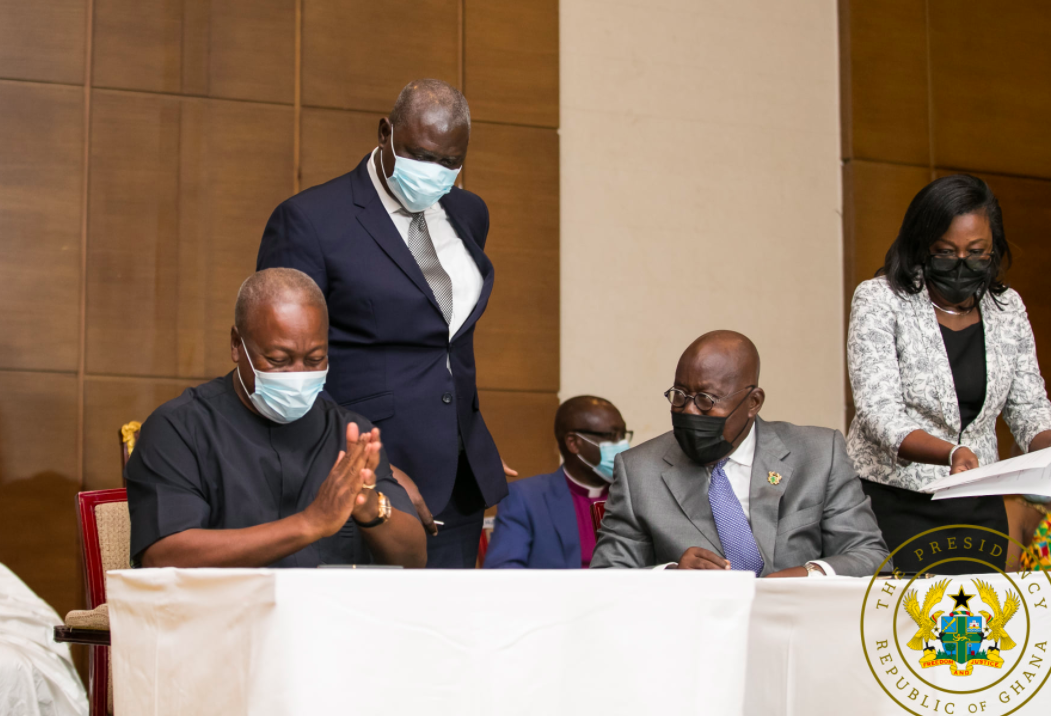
column 658, row 505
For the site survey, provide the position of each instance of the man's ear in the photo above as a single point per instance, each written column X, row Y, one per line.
column 572, row 444
column 235, row 345
column 758, row 397
column 383, row 131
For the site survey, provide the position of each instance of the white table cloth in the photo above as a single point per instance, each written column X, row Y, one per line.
column 464, row 642
column 805, row 656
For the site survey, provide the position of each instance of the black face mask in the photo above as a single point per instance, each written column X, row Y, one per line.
column 701, row 436
column 957, row 279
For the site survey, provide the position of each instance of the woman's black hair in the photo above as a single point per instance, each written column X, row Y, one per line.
column 928, row 219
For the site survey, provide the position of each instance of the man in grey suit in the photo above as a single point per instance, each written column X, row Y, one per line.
column 728, row 490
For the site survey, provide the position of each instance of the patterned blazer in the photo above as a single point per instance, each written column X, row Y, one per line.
column 899, row 372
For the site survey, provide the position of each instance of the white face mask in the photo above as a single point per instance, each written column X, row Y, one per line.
column 418, row 185
column 283, row 397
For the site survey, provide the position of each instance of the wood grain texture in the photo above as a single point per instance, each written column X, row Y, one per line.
column 990, row 101
column 236, row 49
column 358, row 54
column 515, row 170
column 511, row 61
column 179, row 200
column 885, row 81
column 38, row 535
column 108, row 404
column 43, row 40
column 41, row 174
column 333, row 142
column 523, row 426
column 879, row 194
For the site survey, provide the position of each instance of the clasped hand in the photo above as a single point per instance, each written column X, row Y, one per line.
column 345, row 492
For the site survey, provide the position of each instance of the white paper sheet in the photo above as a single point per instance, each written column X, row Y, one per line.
column 1025, row 474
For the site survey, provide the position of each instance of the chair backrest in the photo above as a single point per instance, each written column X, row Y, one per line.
column 105, row 537
column 598, row 511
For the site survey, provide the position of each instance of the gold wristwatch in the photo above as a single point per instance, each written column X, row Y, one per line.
column 385, row 510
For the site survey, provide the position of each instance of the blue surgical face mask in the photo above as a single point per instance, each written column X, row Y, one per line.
column 607, row 451
column 286, row 396
column 418, row 185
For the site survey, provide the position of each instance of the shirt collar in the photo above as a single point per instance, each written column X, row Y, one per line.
column 593, row 492
column 745, row 452
column 392, row 205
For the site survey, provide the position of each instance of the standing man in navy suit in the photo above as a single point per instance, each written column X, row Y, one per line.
column 397, row 250
column 545, row 521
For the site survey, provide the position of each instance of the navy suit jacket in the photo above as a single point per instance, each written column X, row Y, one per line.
column 388, row 340
column 536, row 526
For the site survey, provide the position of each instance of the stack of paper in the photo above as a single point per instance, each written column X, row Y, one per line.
column 1023, row 475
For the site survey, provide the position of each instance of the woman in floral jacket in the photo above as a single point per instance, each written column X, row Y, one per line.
column 938, row 347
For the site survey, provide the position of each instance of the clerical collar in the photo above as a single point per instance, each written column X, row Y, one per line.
column 593, row 492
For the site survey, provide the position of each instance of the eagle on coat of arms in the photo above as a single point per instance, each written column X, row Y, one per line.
column 961, row 632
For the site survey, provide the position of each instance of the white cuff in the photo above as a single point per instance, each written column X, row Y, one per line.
column 829, row 572
column 662, row 567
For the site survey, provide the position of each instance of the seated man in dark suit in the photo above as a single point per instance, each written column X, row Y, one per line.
column 545, row 521
column 255, row 469
column 727, row 490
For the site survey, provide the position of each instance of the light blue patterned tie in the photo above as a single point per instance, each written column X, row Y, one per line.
column 734, row 531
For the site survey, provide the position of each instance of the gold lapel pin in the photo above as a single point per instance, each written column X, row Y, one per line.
column 773, row 478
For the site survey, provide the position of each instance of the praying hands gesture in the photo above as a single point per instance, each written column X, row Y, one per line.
column 349, row 489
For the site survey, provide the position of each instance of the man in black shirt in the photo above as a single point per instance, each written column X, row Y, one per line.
column 255, row 468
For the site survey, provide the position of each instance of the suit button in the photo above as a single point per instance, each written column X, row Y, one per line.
column 447, row 398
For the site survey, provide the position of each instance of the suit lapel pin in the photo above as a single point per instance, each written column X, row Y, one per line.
column 773, row 478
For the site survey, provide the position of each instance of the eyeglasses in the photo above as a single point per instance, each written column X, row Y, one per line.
column 946, row 264
column 703, row 401
column 612, row 436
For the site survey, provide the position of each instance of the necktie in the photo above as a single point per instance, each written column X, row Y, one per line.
column 422, row 249
column 734, row 531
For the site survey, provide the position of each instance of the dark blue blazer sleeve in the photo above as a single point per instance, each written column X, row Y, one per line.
column 290, row 241
column 512, row 534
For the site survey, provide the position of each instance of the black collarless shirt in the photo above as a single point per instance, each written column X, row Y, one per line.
column 966, row 351
column 204, row 460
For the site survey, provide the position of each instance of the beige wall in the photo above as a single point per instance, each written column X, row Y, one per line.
column 701, row 189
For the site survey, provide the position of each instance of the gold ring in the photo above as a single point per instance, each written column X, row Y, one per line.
column 368, row 487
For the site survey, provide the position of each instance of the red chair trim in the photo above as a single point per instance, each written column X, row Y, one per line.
column 95, row 585
column 598, row 511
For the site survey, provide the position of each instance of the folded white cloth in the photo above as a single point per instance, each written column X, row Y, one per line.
column 37, row 676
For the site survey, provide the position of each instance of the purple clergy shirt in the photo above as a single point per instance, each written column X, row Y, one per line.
column 582, row 507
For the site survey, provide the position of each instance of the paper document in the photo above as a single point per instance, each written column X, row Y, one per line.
column 1026, row 474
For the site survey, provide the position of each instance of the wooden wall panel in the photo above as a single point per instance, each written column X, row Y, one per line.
column 333, row 142
column 358, row 54
column 515, row 169
column 236, row 49
column 133, row 233
column 41, row 174
column 881, row 193
column 38, row 482
column 991, row 103
column 108, row 404
column 43, row 40
column 523, row 426
column 236, row 167
column 885, row 81
column 511, row 61
column 179, row 203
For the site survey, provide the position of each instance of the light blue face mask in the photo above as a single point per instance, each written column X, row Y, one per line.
column 607, row 451
column 418, row 185
column 284, row 397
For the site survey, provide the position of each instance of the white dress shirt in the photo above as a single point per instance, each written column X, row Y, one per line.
column 452, row 254
column 738, row 471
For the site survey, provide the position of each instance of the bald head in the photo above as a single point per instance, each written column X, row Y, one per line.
column 265, row 289
column 431, row 101
column 723, row 356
